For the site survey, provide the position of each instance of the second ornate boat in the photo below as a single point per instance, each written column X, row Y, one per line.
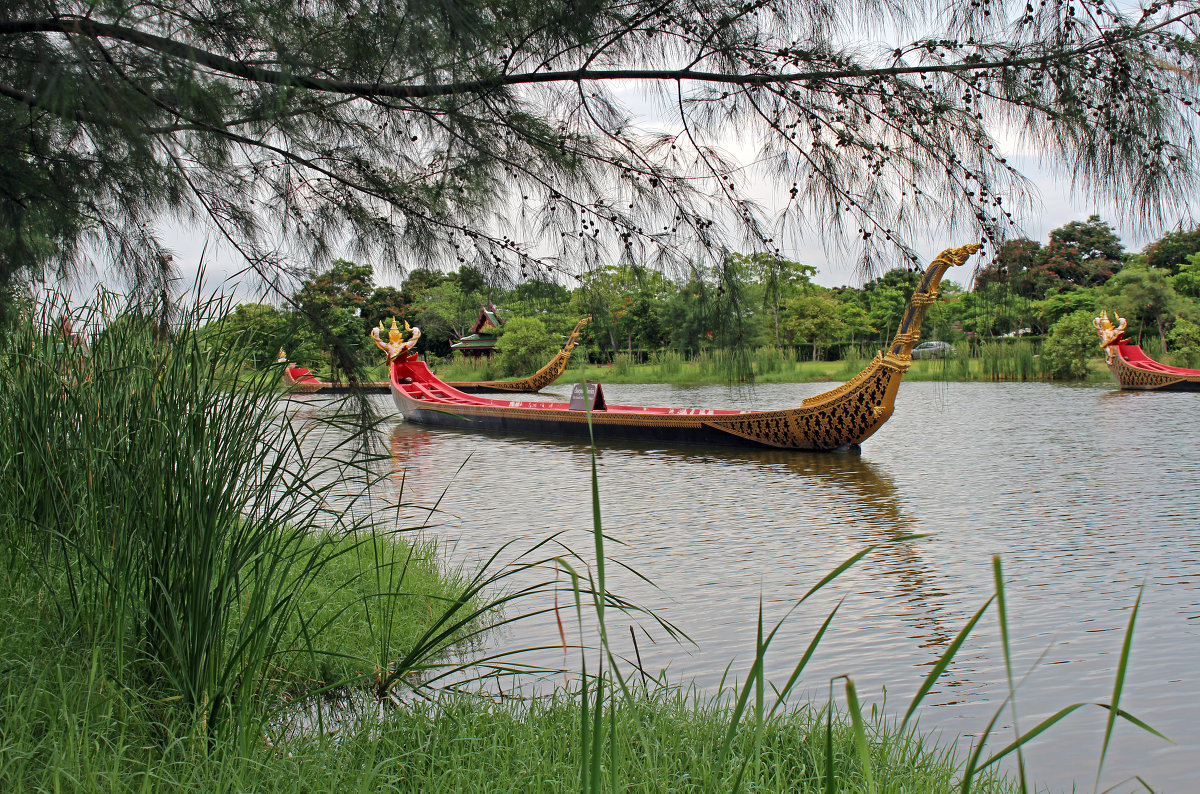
column 842, row 417
column 1133, row 369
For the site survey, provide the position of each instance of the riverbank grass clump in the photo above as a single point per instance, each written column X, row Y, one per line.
column 177, row 520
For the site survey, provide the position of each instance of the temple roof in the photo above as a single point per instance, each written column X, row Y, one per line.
column 488, row 318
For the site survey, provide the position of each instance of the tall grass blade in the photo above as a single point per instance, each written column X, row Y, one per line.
column 1002, row 610
column 972, row 765
column 1125, row 715
column 830, row 777
column 1045, row 724
column 860, row 734
column 1119, row 683
column 783, row 693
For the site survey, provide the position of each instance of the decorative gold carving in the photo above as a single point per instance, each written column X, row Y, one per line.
column 1110, row 335
column 1131, row 377
column 395, row 347
column 924, row 297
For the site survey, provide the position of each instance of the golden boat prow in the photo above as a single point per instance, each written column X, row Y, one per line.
column 842, row 417
column 1135, row 370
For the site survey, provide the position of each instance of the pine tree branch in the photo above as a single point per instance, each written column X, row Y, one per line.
column 230, row 66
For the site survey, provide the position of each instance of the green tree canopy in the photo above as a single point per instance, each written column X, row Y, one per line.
column 1093, row 240
column 1147, row 298
column 260, row 330
column 494, row 135
column 816, row 318
column 1187, row 279
column 624, row 301
column 1078, row 254
column 524, row 346
column 1070, row 345
column 344, row 284
column 778, row 278
column 1013, row 258
column 1172, row 250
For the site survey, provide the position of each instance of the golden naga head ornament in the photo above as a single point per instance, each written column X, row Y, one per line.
column 1109, row 334
column 282, row 358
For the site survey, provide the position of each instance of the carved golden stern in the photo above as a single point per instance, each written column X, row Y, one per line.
column 924, row 296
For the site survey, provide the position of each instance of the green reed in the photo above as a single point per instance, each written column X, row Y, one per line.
column 726, row 365
column 622, row 363
column 460, row 367
column 178, row 519
column 668, row 364
column 854, row 359
column 769, row 360
column 1010, row 361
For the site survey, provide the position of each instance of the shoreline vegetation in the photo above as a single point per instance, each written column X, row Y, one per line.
column 990, row 362
column 188, row 592
column 755, row 318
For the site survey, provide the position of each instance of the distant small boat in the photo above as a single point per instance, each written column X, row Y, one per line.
column 301, row 380
column 842, row 417
column 1133, row 369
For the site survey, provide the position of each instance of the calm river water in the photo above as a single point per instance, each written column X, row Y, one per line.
column 1086, row 493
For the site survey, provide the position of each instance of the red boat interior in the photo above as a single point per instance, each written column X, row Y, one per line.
column 414, row 379
column 301, row 375
column 1135, row 357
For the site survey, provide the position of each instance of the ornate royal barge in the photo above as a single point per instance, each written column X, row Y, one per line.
column 842, row 417
column 301, row 380
column 1133, row 369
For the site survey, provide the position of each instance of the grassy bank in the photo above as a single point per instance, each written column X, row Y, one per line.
column 69, row 726
column 187, row 587
column 71, row 721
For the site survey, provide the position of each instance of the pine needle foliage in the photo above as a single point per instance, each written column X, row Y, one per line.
column 522, row 136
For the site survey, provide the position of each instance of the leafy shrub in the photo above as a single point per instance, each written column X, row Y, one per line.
column 1185, row 340
column 524, row 346
column 1072, row 341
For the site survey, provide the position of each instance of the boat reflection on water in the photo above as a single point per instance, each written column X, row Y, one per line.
column 858, row 496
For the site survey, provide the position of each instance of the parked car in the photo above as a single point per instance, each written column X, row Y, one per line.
column 934, row 350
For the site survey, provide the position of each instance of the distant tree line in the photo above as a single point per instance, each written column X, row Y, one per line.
column 754, row 300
